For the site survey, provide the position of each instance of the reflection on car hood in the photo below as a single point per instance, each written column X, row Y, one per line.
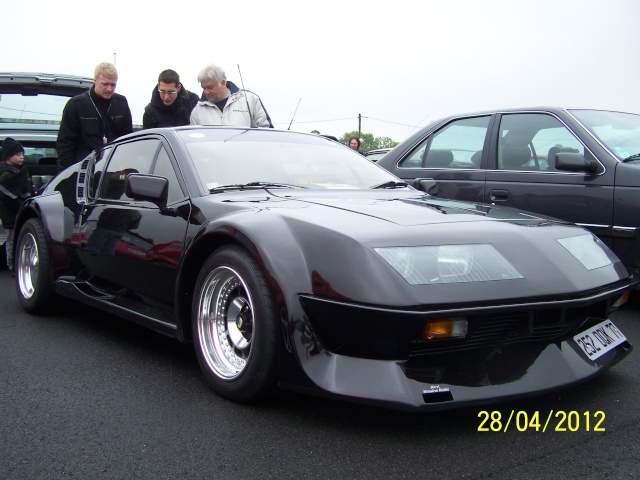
column 420, row 209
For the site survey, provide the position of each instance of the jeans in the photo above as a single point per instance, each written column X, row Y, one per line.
column 8, row 246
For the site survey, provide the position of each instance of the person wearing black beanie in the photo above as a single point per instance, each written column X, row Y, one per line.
column 15, row 187
column 10, row 147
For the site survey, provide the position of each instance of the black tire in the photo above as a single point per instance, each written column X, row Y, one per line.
column 234, row 327
column 33, row 268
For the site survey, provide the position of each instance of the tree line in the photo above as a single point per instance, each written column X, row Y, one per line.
column 368, row 141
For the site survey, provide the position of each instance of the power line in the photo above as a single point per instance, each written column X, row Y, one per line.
column 30, row 111
column 349, row 118
column 387, row 121
column 319, row 121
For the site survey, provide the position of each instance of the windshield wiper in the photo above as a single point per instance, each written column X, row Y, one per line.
column 391, row 184
column 252, row 185
column 631, row 157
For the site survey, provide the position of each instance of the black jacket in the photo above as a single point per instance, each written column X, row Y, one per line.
column 86, row 120
column 15, row 187
column 157, row 114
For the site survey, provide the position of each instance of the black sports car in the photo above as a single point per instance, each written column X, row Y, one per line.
column 291, row 261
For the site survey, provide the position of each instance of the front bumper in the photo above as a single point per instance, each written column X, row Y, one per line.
column 378, row 356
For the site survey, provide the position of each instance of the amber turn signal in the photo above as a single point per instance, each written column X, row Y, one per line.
column 445, row 328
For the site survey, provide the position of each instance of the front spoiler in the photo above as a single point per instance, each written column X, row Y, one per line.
column 386, row 383
column 391, row 367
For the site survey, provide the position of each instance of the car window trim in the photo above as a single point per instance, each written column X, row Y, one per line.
column 494, row 154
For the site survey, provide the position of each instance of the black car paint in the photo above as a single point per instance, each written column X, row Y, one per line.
column 605, row 202
column 333, row 307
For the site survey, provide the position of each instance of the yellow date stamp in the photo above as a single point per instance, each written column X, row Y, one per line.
column 555, row 420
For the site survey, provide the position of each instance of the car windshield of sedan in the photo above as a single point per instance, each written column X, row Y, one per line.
column 619, row 132
column 232, row 157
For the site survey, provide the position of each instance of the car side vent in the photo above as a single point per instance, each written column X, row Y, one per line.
column 83, row 183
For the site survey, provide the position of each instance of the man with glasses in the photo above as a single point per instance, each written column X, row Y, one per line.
column 94, row 118
column 170, row 104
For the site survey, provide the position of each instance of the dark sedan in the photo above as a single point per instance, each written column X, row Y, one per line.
column 579, row 165
column 291, row 261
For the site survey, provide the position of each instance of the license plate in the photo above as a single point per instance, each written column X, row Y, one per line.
column 599, row 339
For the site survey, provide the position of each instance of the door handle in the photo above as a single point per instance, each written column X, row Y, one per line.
column 499, row 195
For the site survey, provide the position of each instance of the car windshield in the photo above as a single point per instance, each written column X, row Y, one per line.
column 234, row 157
column 24, row 110
column 619, row 132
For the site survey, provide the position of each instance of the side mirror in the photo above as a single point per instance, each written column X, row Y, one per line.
column 575, row 162
column 148, row 187
column 427, row 185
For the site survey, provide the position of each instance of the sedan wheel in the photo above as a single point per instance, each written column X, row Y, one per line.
column 234, row 328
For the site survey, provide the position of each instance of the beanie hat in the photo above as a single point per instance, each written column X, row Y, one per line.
column 10, row 147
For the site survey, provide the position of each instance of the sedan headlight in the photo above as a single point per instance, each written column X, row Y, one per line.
column 449, row 263
column 589, row 250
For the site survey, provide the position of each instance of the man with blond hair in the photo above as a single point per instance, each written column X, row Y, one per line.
column 94, row 118
column 226, row 104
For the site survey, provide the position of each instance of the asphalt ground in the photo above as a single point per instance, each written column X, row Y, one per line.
column 85, row 395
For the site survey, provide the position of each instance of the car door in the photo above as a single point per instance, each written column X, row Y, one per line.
column 129, row 246
column 450, row 161
column 522, row 172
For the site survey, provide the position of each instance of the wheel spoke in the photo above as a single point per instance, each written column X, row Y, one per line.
column 28, row 262
column 225, row 322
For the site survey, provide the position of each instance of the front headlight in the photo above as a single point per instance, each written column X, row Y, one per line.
column 589, row 250
column 449, row 263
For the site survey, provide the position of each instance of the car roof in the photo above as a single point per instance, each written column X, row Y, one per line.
column 28, row 83
column 540, row 108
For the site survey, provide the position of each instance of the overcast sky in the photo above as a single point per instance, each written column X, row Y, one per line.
column 400, row 63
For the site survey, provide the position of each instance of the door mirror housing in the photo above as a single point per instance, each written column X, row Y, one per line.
column 427, row 185
column 148, row 188
column 574, row 162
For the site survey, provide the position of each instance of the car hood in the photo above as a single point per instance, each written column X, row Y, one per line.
column 325, row 243
column 628, row 174
column 420, row 209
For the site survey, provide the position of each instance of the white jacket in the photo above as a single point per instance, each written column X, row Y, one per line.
column 235, row 111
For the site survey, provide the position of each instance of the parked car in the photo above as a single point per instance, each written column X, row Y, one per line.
column 579, row 165
column 31, row 106
column 377, row 154
column 291, row 261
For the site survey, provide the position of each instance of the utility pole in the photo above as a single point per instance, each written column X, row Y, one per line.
column 359, row 125
column 114, row 59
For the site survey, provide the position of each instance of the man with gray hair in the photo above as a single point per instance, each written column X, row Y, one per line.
column 226, row 104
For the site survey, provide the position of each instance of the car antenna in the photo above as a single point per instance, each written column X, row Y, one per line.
column 294, row 113
column 252, row 123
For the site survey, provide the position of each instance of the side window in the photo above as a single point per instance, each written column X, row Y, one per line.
column 133, row 157
column 94, row 176
column 458, row 145
column 163, row 168
column 530, row 141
